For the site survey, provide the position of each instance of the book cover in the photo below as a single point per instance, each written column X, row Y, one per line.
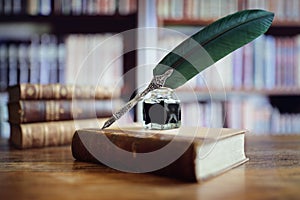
column 237, row 62
column 25, row 111
column 203, row 152
column 27, row 91
column 13, row 66
column 4, row 67
column 45, row 134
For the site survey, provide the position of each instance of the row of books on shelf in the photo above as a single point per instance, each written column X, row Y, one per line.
column 213, row 9
column 267, row 63
column 40, row 60
column 48, row 115
column 254, row 114
column 284, row 10
column 195, row 9
column 44, row 60
column 67, row 7
column 95, row 59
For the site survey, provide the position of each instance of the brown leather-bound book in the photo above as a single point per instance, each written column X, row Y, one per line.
column 27, row 91
column 188, row 153
column 45, row 134
column 26, row 111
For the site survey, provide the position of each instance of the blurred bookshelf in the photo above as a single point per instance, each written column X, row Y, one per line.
column 48, row 41
column 260, row 82
column 24, row 24
column 257, row 86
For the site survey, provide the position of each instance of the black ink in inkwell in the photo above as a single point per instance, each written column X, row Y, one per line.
column 162, row 110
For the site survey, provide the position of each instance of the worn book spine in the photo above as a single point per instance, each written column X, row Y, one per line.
column 85, row 141
column 55, row 110
column 28, row 91
column 37, row 135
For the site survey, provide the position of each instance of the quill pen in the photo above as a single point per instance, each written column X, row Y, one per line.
column 202, row 50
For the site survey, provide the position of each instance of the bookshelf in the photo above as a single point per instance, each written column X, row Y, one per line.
column 64, row 25
column 86, row 24
column 62, row 21
column 35, row 32
column 266, row 100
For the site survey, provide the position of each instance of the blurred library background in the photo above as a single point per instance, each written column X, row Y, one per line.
column 47, row 41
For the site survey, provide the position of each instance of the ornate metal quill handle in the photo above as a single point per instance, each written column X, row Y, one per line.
column 157, row 82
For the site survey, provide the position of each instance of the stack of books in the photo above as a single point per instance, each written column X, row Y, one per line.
column 43, row 115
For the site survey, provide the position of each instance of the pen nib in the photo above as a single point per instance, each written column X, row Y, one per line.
column 109, row 122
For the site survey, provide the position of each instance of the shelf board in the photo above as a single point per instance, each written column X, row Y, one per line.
column 187, row 22
column 204, row 94
column 64, row 24
column 280, row 92
column 278, row 28
column 201, row 22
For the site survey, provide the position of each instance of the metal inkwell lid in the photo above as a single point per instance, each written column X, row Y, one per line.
column 162, row 110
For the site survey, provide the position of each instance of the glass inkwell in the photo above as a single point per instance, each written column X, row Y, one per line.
column 161, row 110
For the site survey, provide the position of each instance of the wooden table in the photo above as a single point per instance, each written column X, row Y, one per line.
column 273, row 172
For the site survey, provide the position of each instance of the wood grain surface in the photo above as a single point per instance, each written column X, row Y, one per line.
column 273, row 172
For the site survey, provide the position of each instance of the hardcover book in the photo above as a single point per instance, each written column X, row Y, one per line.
column 45, row 134
column 28, row 111
column 205, row 152
column 27, row 91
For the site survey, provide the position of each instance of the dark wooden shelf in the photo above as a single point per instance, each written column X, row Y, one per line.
column 273, row 92
column 205, row 22
column 187, row 95
column 186, row 22
column 286, row 28
column 65, row 24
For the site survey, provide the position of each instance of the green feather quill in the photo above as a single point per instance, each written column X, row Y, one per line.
column 202, row 50
column 213, row 43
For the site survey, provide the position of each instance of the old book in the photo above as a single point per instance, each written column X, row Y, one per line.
column 44, row 134
column 203, row 152
column 25, row 111
column 28, row 91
